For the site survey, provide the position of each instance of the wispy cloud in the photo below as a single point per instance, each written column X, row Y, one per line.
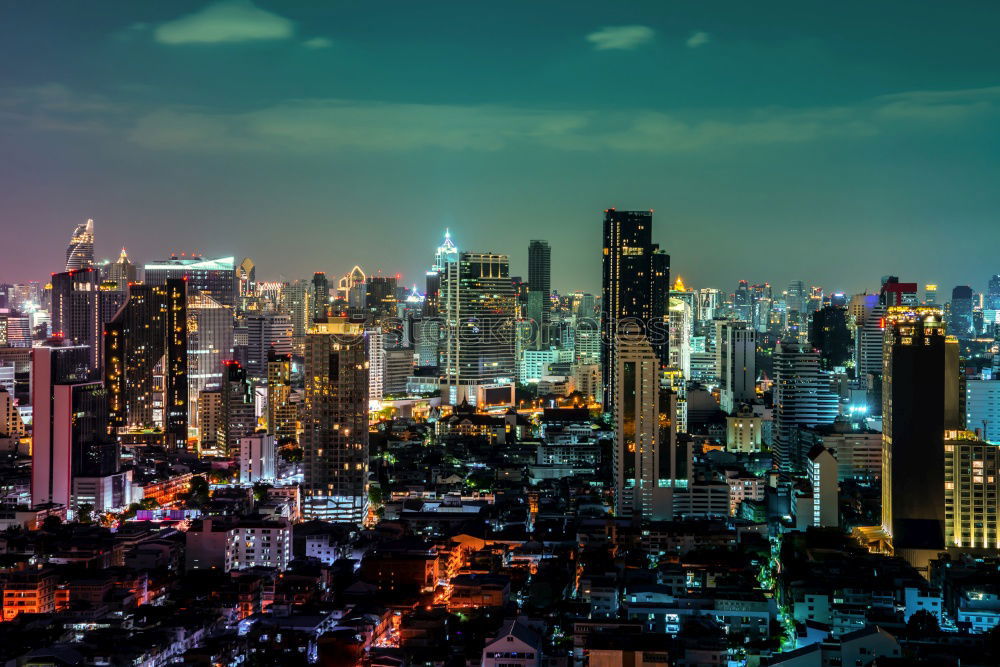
column 621, row 37
column 697, row 39
column 323, row 126
column 318, row 43
column 225, row 22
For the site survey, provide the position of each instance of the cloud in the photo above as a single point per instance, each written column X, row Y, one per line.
column 225, row 22
column 697, row 39
column 318, row 43
column 621, row 37
column 324, row 126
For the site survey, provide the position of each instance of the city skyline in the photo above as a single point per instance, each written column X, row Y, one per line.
column 254, row 129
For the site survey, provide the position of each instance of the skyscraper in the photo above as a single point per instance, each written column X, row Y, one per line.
column 70, row 434
column 828, row 333
column 736, row 363
column 209, row 343
column 478, row 308
column 320, row 297
column 802, row 397
column 76, row 313
column 236, row 410
column 335, row 424
column 145, row 355
column 913, row 423
column 214, row 277
column 282, row 414
column 960, row 314
column 80, row 252
column 122, row 272
column 540, row 286
column 636, row 408
column 992, row 301
column 266, row 331
column 297, row 305
column 635, row 286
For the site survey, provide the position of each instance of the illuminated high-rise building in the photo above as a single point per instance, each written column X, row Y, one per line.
column 635, row 285
column 680, row 323
column 297, row 301
column 121, row 272
column 282, row 414
column 540, row 288
column 478, row 308
column 76, row 312
column 70, row 436
column 335, row 423
column 266, row 332
column 735, row 363
column 209, row 343
column 320, row 297
column 236, row 409
column 80, row 252
column 639, row 432
column 246, row 277
column 992, row 300
column 214, row 277
column 802, row 397
column 914, row 383
column 145, row 361
column 930, row 295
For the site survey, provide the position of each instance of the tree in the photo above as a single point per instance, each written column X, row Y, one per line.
column 922, row 623
column 260, row 491
column 85, row 513
column 291, row 453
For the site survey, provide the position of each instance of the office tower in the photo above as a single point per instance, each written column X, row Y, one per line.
column 296, row 302
column 265, row 332
column 209, row 418
column 122, row 272
column 209, row 343
column 828, row 334
column 145, row 361
column 214, row 277
column 587, row 346
column 866, row 313
column 398, row 368
column 913, row 423
column 15, row 330
column 821, row 469
column 992, row 301
column 741, row 301
column 635, row 282
column 80, row 252
column 637, row 455
column 540, row 285
column 586, row 306
column 76, row 314
column 960, row 314
column 478, row 309
column 761, row 302
column 320, row 297
column 736, row 363
column 246, row 277
column 796, row 296
column 982, row 408
column 680, row 320
column 375, row 354
column 11, row 424
column 282, row 414
column 257, row 454
column 70, row 435
column 335, row 425
column 236, row 409
column 802, row 397
column 709, row 302
column 858, row 449
column 930, row 295
column 971, row 503
column 380, row 295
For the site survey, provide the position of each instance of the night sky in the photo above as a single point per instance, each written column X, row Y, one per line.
column 821, row 141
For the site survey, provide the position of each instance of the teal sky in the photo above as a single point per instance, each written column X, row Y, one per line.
column 827, row 142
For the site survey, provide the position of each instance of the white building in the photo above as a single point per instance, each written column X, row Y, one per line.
column 822, row 470
column 218, row 544
column 982, row 408
column 515, row 646
column 802, row 397
column 257, row 454
column 736, row 363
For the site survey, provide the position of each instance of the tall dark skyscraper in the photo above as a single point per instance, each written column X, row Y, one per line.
column 913, row 412
column 960, row 315
column 146, row 340
column 80, row 252
column 539, row 284
column 81, row 305
column 320, row 297
column 635, row 286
